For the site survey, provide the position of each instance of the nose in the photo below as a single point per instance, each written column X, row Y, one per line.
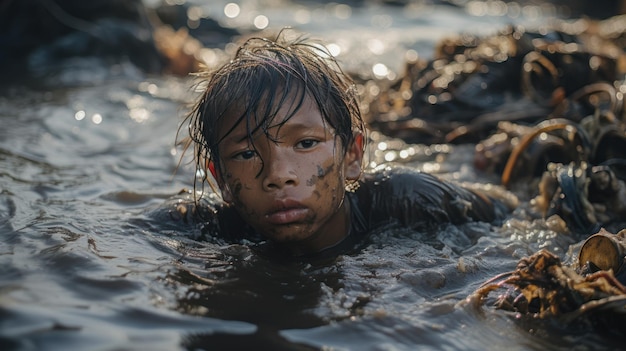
column 279, row 171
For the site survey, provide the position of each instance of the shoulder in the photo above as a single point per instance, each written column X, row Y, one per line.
column 202, row 216
column 187, row 208
column 412, row 196
column 188, row 214
column 401, row 194
column 401, row 181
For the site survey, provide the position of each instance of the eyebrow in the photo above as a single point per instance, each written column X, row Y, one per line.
column 295, row 125
column 236, row 138
column 292, row 127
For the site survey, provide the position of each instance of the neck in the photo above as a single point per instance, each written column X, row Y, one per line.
column 330, row 235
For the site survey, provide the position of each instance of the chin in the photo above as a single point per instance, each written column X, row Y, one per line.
column 287, row 238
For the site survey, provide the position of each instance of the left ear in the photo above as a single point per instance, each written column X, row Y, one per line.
column 210, row 165
column 224, row 189
column 353, row 158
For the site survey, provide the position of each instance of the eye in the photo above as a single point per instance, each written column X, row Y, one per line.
column 307, row 143
column 245, row 155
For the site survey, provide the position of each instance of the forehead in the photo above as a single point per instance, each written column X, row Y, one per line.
column 285, row 115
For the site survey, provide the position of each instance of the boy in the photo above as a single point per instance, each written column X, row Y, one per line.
column 279, row 129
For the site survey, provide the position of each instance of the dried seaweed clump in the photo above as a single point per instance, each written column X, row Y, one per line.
column 542, row 287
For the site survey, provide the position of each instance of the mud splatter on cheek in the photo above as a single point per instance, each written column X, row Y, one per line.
column 246, row 207
column 237, row 189
column 314, row 178
column 329, row 169
column 320, row 171
column 317, row 194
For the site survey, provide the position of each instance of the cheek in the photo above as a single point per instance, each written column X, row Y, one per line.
column 236, row 189
column 235, row 182
column 243, row 198
column 327, row 186
column 323, row 175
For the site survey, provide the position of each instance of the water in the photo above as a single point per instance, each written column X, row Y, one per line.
column 84, row 154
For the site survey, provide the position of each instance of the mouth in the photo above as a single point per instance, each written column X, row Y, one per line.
column 285, row 212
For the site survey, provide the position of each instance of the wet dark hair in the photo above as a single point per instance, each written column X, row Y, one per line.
column 263, row 75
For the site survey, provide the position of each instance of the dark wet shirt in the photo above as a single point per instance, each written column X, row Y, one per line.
column 389, row 197
column 416, row 199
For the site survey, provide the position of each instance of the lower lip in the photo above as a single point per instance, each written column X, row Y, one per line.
column 287, row 216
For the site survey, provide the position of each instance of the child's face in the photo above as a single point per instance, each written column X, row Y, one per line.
column 290, row 188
